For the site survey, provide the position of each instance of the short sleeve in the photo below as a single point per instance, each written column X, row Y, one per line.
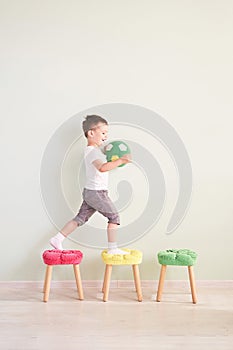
column 94, row 154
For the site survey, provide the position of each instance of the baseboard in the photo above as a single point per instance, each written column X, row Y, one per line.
column 150, row 284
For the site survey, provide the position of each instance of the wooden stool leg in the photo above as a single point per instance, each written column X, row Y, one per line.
column 104, row 282
column 161, row 282
column 192, row 284
column 137, row 282
column 107, row 278
column 78, row 281
column 47, row 282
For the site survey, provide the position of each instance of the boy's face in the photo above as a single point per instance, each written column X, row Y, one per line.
column 98, row 134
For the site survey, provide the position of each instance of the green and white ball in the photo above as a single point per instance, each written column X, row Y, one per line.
column 115, row 150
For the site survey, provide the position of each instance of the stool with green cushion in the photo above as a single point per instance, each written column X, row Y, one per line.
column 177, row 257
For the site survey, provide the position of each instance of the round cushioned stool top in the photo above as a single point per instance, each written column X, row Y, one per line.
column 133, row 258
column 62, row 257
column 179, row 257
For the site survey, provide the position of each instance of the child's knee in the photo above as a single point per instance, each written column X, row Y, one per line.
column 114, row 218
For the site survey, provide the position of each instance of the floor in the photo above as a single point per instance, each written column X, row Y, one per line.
column 67, row 323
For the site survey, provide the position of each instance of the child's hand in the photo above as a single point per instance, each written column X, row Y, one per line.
column 126, row 158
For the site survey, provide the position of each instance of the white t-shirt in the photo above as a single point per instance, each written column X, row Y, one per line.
column 95, row 180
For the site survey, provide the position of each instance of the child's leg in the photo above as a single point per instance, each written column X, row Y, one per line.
column 103, row 204
column 69, row 227
column 56, row 241
column 112, row 240
column 112, row 232
column 85, row 212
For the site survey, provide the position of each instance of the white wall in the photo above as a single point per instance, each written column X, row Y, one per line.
column 61, row 57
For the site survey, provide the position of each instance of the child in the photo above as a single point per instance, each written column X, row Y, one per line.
column 95, row 193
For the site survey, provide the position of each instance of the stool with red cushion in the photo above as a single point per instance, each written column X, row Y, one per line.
column 62, row 257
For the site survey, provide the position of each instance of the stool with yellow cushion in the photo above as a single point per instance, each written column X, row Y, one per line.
column 134, row 258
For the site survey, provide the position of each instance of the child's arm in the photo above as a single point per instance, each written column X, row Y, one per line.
column 102, row 167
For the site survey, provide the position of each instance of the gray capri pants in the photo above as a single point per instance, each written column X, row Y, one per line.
column 96, row 201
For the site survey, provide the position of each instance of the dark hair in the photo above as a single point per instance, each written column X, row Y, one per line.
column 91, row 121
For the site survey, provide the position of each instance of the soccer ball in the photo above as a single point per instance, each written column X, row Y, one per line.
column 115, row 150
